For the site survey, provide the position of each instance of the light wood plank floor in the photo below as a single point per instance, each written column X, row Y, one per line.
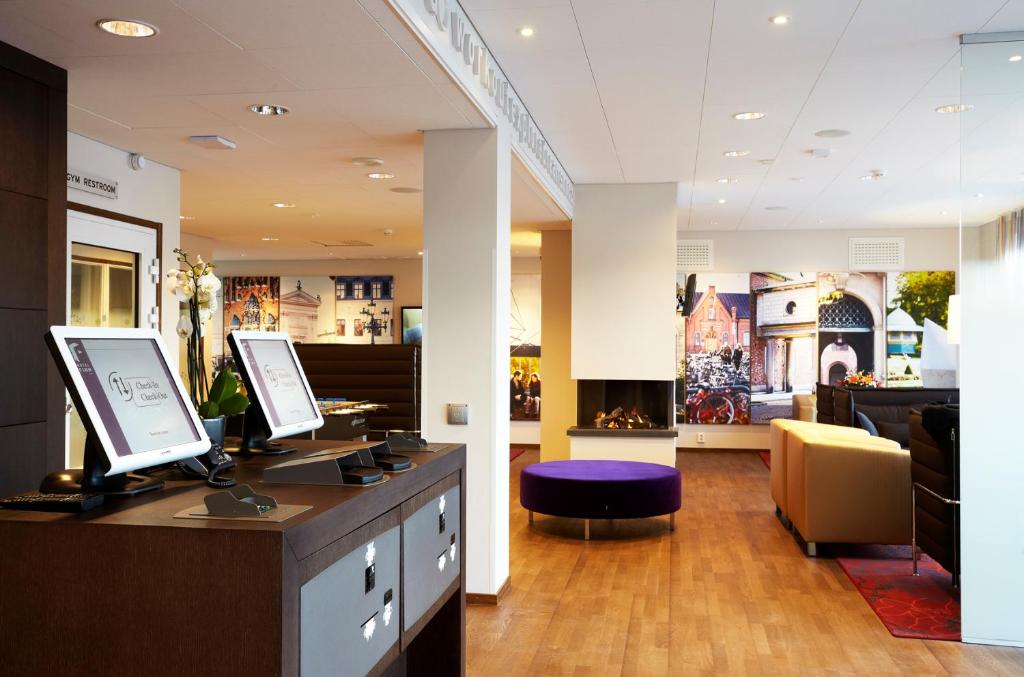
column 728, row 592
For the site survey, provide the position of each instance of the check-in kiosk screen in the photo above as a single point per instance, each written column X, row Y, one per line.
column 134, row 394
column 273, row 371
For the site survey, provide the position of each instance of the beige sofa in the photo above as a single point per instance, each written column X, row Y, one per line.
column 846, row 490
column 778, row 442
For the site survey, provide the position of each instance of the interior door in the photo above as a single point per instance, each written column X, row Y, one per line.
column 113, row 273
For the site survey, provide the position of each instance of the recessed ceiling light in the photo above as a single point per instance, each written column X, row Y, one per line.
column 525, row 32
column 124, row 28
column 366, row 161
column 979, row 195
column 419, row 253
column 283, row 205
column 765, row 162
column 818, row 153
column 832, row 133
column 1015, row 58
column 736, row 153
column 779, row 20
column 270, row 238
column 943, row 212
column 873, row 175
column 269, row 109
column 775, row 208
column 380, row 175
column 750, row 115
column 725, row 180
column 721, row 200
column 405, row 190
column 186, row 218
column 954, row 108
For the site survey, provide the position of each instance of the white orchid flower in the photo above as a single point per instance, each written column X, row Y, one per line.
column 184, row 292
column 205, row 315
column 184, row 327
column 209, row 282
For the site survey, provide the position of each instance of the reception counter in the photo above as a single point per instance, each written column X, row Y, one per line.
column 129, row 588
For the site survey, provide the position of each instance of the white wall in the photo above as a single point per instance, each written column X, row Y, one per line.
column 810, row 251
column 623, row 282
column 152, row 194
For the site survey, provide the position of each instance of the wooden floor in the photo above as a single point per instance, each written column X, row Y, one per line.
column 728, row 592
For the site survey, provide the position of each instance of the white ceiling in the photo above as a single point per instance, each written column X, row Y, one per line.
column 644, row 91
column 356, row 80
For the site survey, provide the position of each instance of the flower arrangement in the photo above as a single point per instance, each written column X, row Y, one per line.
column 195, row 285
column 861, row 379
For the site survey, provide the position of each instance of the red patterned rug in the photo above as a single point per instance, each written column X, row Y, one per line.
column 766, row 456
column 920, row 607
column 515, row 452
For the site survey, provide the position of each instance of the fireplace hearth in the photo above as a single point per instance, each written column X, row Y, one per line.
column 616, row 407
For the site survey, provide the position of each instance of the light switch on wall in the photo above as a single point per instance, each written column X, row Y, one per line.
column 458, row 414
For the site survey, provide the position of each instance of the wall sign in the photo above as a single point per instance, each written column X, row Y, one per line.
column 91, row 183
column 446, row 30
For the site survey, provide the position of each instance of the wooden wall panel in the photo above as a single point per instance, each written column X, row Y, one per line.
column 23, row 367
column 23, row 234
column 23, row 132
column 21, row 464
column 33, row 230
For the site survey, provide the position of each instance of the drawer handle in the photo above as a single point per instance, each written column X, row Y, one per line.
column 369, row 626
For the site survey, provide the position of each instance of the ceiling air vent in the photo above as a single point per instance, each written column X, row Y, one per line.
column 876, row 253
column 695, row 255
column 343, row 243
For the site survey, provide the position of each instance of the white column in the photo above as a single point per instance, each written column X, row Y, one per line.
column 466, row 298
column 623, row 282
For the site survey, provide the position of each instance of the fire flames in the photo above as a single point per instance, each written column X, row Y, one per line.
column 620, row 419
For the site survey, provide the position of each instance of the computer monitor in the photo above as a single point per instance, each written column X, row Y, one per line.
column 132, row 403
column 281, row 401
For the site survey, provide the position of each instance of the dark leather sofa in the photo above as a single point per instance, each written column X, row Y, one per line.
column 884, row 412
column 382, row 374
column 825, row 404
column 935, row 466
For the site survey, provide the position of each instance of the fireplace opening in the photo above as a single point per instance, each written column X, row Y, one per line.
column 624, row 405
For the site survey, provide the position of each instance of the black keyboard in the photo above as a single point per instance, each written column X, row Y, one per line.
column 52, row 502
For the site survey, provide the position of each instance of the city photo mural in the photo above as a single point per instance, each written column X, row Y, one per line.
column 851, row 328
column 713, row 383
column 307, row 314
column 784, row 317
column 251, row 303
column 524, row 349
column 364, row 309
column 918, row 353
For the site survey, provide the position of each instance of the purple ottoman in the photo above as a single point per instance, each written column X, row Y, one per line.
column 601, row 490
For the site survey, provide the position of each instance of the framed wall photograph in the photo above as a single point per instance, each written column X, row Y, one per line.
column 412, row 325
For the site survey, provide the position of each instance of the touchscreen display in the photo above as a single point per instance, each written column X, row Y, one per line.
column 274, row 372
column 133, row 391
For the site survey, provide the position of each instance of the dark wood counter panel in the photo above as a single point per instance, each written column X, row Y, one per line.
column 129, row 589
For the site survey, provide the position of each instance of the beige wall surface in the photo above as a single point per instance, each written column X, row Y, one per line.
column 558, row 411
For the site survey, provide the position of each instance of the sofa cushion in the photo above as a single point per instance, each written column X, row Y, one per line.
column 899, row 432
column 866, row 423
column 890, row 413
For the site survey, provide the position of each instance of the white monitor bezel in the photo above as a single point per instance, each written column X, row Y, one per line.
column 134, row 461
column 257, row 397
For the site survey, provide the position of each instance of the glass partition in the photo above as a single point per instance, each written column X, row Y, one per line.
column 991, row 111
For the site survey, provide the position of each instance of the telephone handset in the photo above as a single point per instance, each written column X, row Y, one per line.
column 209, row 465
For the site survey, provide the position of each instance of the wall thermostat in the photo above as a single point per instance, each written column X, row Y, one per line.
column 458, row 414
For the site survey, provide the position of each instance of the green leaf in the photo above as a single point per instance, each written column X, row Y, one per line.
column 209, row 409
column 234, row 405
column 223, row 387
